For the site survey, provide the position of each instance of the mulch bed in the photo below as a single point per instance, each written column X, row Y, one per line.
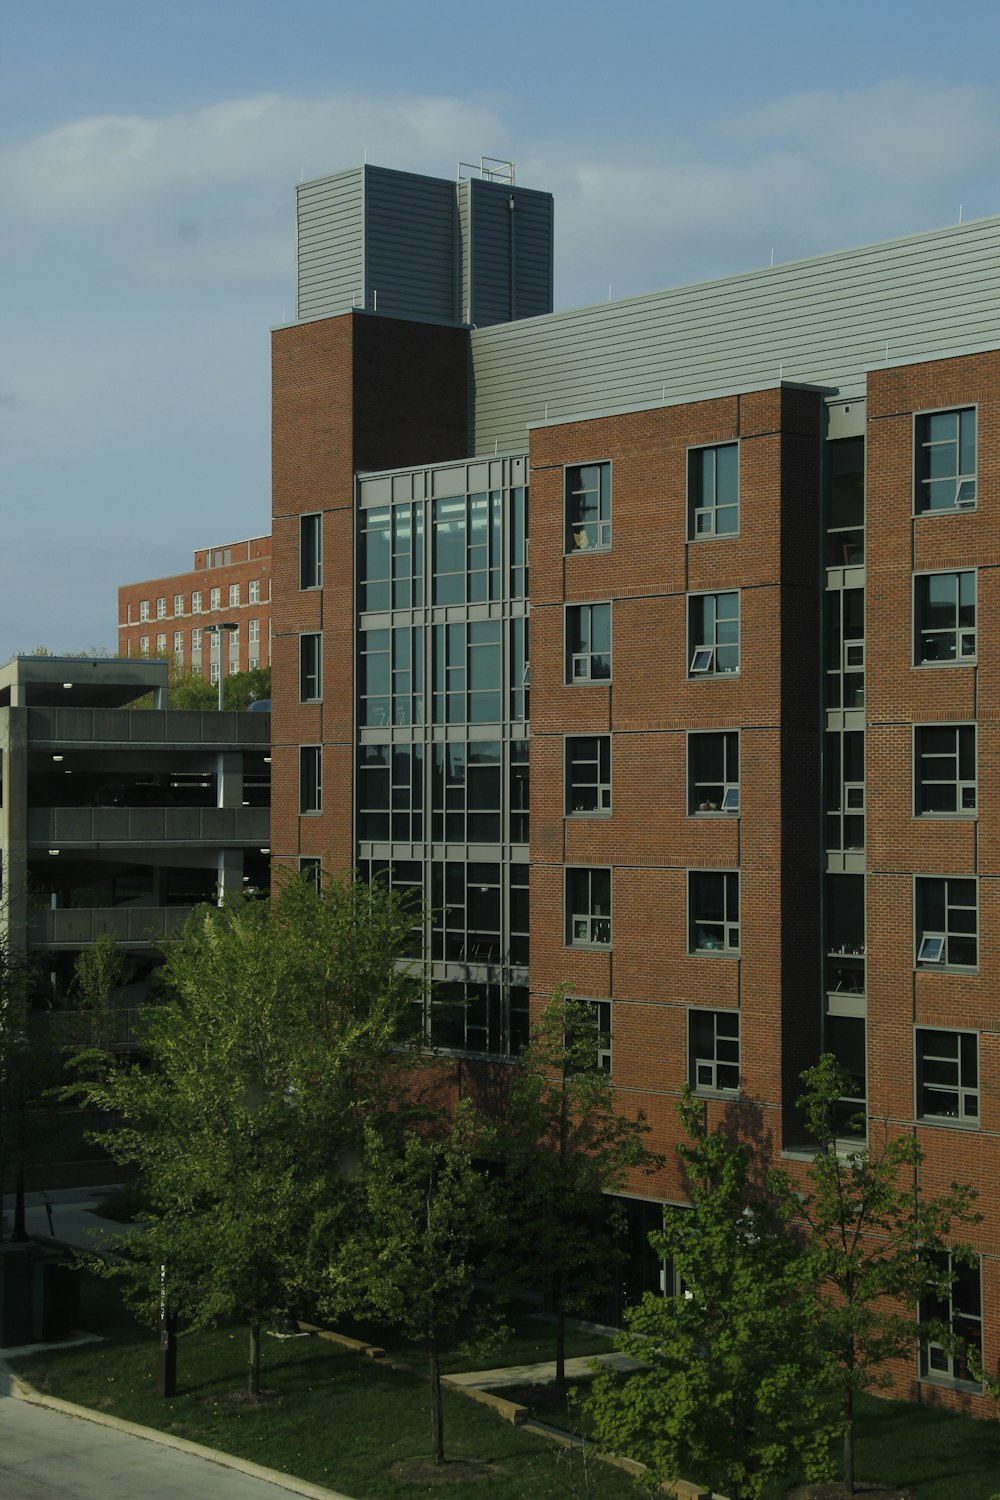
column 837, row 1490
column 242, row 1400
column 457, row 1471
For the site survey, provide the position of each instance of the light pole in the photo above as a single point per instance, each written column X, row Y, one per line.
column 217, row 630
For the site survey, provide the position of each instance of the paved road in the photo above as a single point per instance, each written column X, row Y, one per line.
column 47, row 1455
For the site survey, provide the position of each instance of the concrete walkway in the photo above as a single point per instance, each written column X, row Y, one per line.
column 65, row 1216
column 542, row 1373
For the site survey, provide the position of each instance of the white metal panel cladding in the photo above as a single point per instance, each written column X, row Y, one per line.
column 330, row 244
column 825, row 320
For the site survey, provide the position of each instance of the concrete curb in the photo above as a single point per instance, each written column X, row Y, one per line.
column 12, row 1385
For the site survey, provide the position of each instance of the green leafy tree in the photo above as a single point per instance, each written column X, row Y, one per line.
column 877, row 1245
column 243, row 688
column 565, row 1146
column 258, row 1072
column 99, row 973
column 427, row 1210
column 731, row 1390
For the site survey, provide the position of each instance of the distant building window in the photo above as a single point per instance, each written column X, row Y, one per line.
column 234, row 594
column 310, row 778
column 179, row 644
column 178, row 604
column 947, row 1075
column 588, row 643
column 946, row 922
column 254, row 591
column 196, row 602
column 588, row 507
column 946, row 461
column 310, row 668
column 588, row 774
column 713, row 634
column 714, row 1051
column 944, row 765
column 713, row 911
column 213, row 672
column 128, row 614
column 161, row 609
column 311, row 551
column 253, row 632
column 143, row 609
column 161, row 642
column 144, row 645
column 588, row 908
column 944, row 617
column 215, row 599
column 196, row 639
column 713, row 491
column 713, row 772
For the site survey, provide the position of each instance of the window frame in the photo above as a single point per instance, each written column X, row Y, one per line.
column 729, row 924
column 143, row 611
column 714, row 1062
column 315, row 571
column 196, row 608
column 921, row 424
column 603, row 521
column 694, row 479
column 602, row 787
column 589, row 916
column 960, row 812
column 161, row 607
column 234, row 596
column 311, row 671
column 312, row 782
column 728, row 784
column 571, row 656
column 178, row 604
column 214, row 600
column 963, row 1118
column 702, row 655
column 920, row 632
column 922, row 937
column 951, row 1375
column 600, row 1010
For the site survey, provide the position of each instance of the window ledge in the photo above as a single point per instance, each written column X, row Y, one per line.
column 944, row 1122
column 949, row 1383
column 586, row 551
column 956, row 817
column 965, row 661
column 588, row 947
column 713, row 952
column 583, row 816
column 730, row 1096
column 718, row 812
column 945, row 969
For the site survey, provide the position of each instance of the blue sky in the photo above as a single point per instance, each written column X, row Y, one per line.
column 149, row 151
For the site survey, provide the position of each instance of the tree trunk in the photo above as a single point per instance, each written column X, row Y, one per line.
column 437, row 1416
column 849, row 1442
column 560, row 1349
column 253, row 1372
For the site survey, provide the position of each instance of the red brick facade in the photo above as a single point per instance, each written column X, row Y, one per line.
column 173, row 616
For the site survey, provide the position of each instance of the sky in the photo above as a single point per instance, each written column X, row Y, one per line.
column 149, row 151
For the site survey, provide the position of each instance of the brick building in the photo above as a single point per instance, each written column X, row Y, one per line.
column 747, row 800
column 177, row 615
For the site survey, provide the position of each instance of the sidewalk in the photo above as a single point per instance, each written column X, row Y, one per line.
column 67, row 1219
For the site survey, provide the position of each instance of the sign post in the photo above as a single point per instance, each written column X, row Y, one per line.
column 167, row 1367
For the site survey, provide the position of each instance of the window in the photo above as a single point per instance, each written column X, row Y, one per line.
column 234, row 667
column 713, row 634
column 179, row 644
column 714, row 491
column 178, row 604
column 196, row 639
column 714, row 1051
column 588, row 774
column 310, row 778
column 161, row 642
column 253, row 595
column 948, row 1075
column 588, row 507
column 713, row 911
column 144, row 645
column 588, row 642
column 234, row 594
column 311, row 872
column 128, row 614
column 593, row 1027
column 213, row 672
column 143, row 609
column 959, row 1309
column 713, row 773
column 253, row 632
column 215, row 599
column 944, row 766
column 946, row 922
column 944, row 617
column 588, row 908
column 310, row 552
column 946, row 460
column 196, row 602
column 310, row 668
column 161, row 609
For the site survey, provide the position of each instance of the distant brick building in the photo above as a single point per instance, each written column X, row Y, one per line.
column 175, row 615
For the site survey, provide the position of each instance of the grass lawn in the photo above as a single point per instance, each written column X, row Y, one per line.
column 338, row 1419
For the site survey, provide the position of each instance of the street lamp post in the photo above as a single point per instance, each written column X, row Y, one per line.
column 217, row 630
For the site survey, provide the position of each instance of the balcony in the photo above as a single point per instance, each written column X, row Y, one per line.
column 77, row 927
column 89, row 827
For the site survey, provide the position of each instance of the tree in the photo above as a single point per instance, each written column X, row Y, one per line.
column 427, row 1210
column 257, row 1074
column 188, row 689
column 243, row 688
column 732, row 1386
column 99, row 972
column 877, row 1246
column 564, row 1146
